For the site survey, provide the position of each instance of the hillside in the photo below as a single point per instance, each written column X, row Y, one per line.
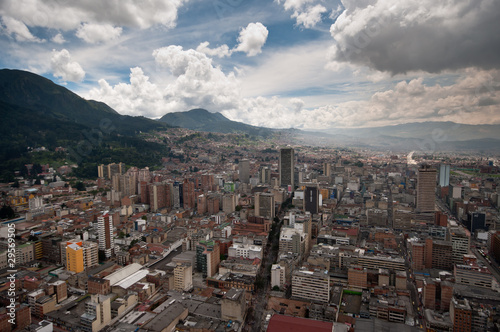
column 203, row 120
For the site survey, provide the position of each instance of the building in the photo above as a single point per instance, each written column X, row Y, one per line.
column 60, row 289
column 97, row 313
column 74, row 257
column 278, row 277
column 159, row 196
column 460, row 241
column 311, row 285
column 292, row 240
column 426, row 189
column 461, row 315
column 25, row 253
column 98, row 286
column 183, row 277
column 311, row 199
column 105, row 231
column 287, row 167
column 51, row 249
column 243, row 250
column 264, row 205
column 207, row 258
column 233, row 305
column 244, row 169
column 228, row 203
column 166, row 320
column 279, row 323
column 188, row 195
column 357, row 277
column 444, row 175
column 473, row 275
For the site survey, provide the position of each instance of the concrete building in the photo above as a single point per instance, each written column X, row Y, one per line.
column 183, row 277
column 460, row 240
column 426, row 189
column 233, row 305
column 311, row 199
column 97, row 313
column 244, row 170
column 264, row 205
column 207, row 257
column 287, row 167
column 311, row 285
column 249, row 251
column 105, row 231
column 278, row 276
column 473, row 275
column 292, row 240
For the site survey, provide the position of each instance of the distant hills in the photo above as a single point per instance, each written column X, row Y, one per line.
column 203, row 120
column 36, row 112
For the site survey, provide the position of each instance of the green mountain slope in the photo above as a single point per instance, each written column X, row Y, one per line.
column 203, row 120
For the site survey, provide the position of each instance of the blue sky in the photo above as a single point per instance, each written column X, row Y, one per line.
column 312, row 64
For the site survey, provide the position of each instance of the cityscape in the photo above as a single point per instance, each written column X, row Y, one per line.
column 249, row 166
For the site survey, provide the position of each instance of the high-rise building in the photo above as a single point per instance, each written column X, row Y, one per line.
column 311, row 199
column 159, row 196
column 264, row 205
column 265, row 175
column 207, row 257
column 105, row 231
column 327, row 169
column 188, row 193
column 426, row 189
column 444, row 175
column 244, row 169
column 287, row 167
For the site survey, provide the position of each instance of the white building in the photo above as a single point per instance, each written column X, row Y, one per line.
column 105, row 231
column 249, row 251
column 277, row 275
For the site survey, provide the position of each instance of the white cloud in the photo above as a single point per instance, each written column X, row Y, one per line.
column 68, row 15
column 63, row 67
column 98, row 33
column 310, row 16
column 21, row 33
column 306, row 12
column 58, row 39
column 252, row 39
column 221, row 51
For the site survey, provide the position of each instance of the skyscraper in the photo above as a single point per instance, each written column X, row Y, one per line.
column 287, row 167
column 444, row 175
column 105, row 231
column 426, row 189
column 311, row 199
column 244, row 168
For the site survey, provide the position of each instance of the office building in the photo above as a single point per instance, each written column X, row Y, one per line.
column 207, row 258
column 444, row 175
column 311, row 285
column 74, row 257
column 244, row 169
column 105, row 231
column 183, row 277
column 278, row 277
column 233, row 305
column 287, row 167
column 264, row 205
column 461, row 314
column 311, row 199
column 426, row 189
column 97, row 313
column 460, row 241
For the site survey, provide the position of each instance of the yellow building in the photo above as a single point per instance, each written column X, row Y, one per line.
column 74, row 257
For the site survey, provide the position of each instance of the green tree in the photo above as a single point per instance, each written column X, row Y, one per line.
column 80, row 186
column 7, row 212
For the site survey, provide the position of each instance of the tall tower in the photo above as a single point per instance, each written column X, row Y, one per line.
column 105, row 231
column 444, row 175
column 426, row 189
column 244, row 168
column 287, row 167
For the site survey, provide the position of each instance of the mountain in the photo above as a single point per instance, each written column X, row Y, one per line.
column 203, row 120
column 36, row 112
column 31, row 91
column 441, row 131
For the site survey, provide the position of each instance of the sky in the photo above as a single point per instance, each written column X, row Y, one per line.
column 306, row 64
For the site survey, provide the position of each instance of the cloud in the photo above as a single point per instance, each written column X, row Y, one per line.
column 401, row 36
column 21, row 33
column 98, row 33
column 252, row 39
column 306, row 12
column 58, row 39
column 221, row 51
column 68, row 15
column 63, row 67
column 310, row 16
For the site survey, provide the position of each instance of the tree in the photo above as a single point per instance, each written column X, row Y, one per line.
column 7, row 212
column 80, row 186
column 276, row 288
column 102, row 256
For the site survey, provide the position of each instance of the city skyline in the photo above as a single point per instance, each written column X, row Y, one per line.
column 302, row 64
